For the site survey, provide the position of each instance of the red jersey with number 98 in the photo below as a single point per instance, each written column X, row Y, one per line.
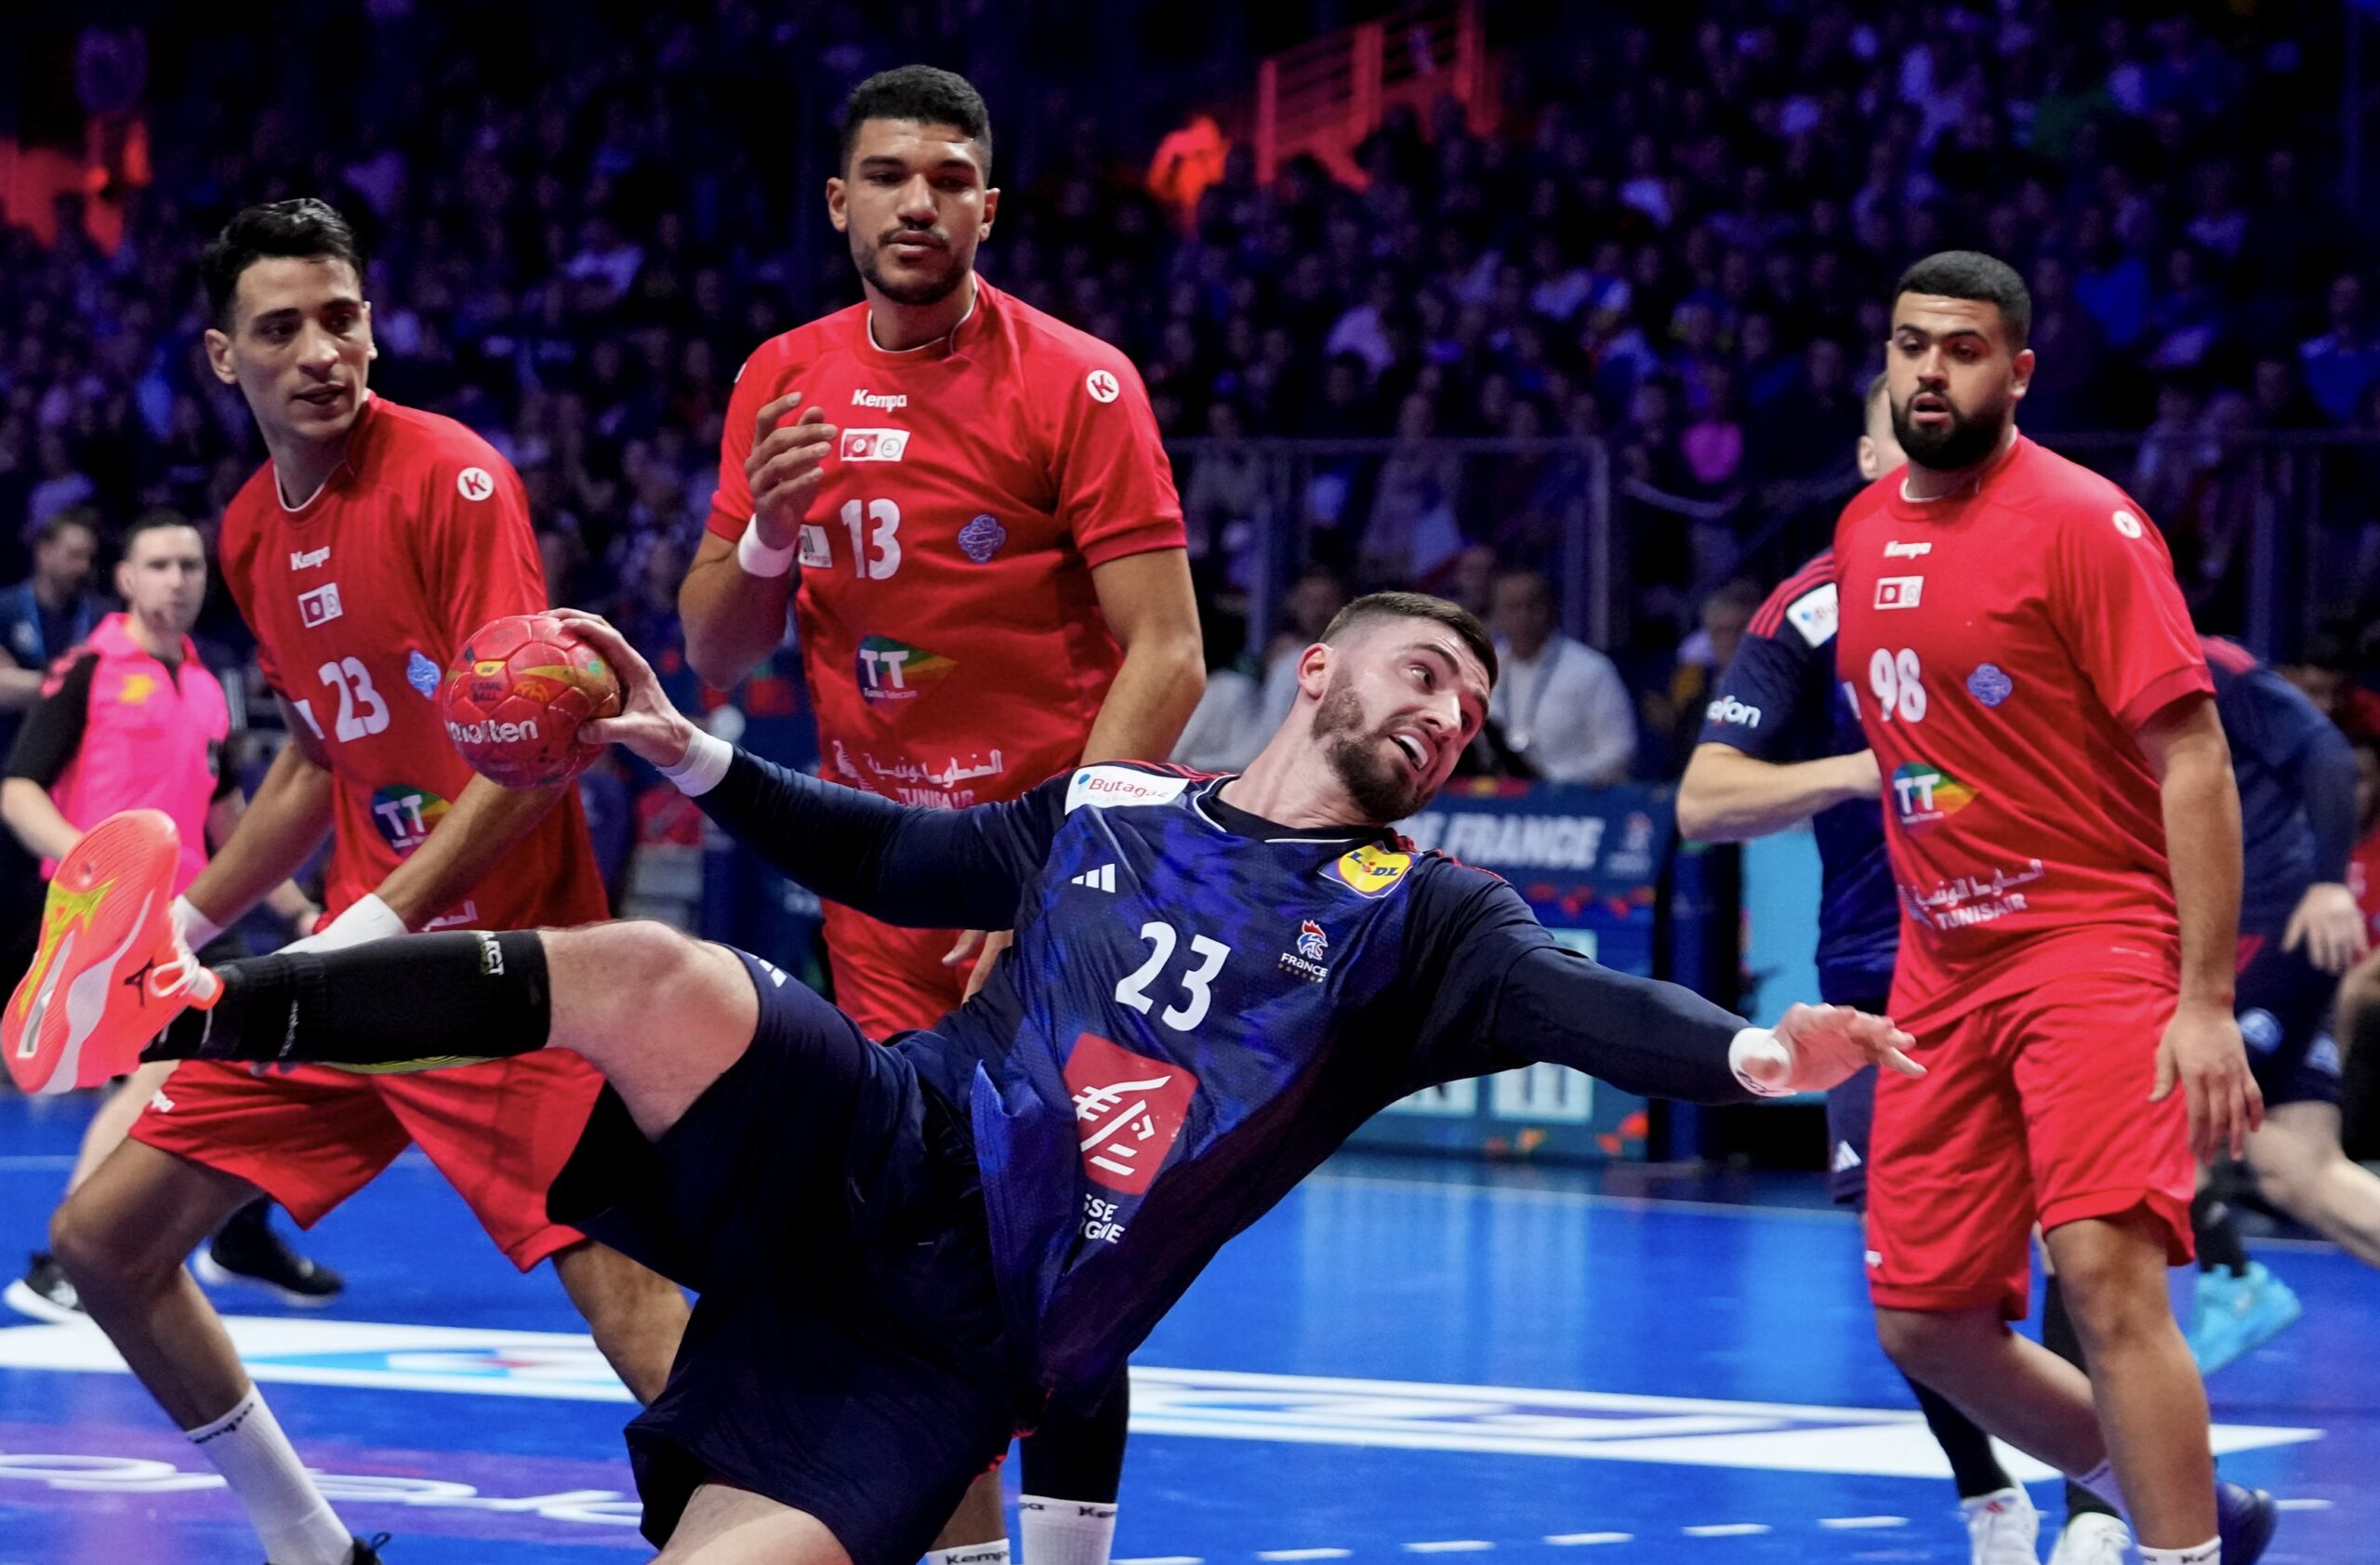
column 2004, row 648
column 359, row 600
column 950, row 637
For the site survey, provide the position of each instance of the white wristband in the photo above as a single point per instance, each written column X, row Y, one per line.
column 367, row 918
column 194, row 927
column 1758, row 1044
column 758, row 558
column 704, row 766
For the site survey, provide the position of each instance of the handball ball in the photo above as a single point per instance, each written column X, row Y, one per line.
column 515, row 696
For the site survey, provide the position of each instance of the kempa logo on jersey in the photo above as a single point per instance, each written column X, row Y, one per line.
column 307, row 559
column 1895, row 550
column 1130, row 1110
column 890, row 401
column 890, row 671
column 473, row 484
column 1729, row 711
column 1899, row 592
column 320, row 606
column 1923, row 793
column 874, row 445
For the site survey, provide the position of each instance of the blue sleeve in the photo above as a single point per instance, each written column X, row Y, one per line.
column 2273, row 721
column 2326, row 781
column 1502, row 993
column 1753, row 709
column 918, row 869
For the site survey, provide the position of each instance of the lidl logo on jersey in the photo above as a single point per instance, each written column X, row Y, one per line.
column 1899, row 592
column 874, row 445
column 1129, row 1109
column 890, row 671
column 406, row 815
column 1371, row 871
column 1923, row 793
column 319, row 607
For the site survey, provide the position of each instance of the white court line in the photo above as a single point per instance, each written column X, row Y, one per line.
column 1450, row 1545
column 1851, row 1523
column 1727, row 1529
column 2302, row 1505
column 1162, row 1560
column 1590, row 1537
column 1303, row 1553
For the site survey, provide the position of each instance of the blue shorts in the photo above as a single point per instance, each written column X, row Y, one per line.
column 846, row 1356
column 1850, row 1115
column 2284, row 1005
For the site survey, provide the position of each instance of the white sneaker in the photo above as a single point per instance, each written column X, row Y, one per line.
column 2092, row 1538
column 2003, row 1528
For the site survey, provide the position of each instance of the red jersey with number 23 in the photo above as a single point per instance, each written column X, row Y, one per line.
column 2003, row 647
column 359, row 600
column 952, row 642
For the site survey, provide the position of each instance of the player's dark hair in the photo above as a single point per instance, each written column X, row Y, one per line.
column 1419, row 606
column 301, row 228
column 81, row 516
column 155, row 521
column 1972, row 274
column 924, row 93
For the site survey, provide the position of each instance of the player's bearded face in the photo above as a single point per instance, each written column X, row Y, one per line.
column 1936, row 431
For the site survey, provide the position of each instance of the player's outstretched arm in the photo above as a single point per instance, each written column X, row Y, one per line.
column 1728, row 796
column 279, row 832
column 733, row 600
column 919, row 869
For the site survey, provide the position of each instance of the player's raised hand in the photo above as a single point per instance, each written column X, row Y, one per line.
column 2329, row 925
column 1814, row 1047
column 784, row 469
column 647, row 725
column 2202, row 1054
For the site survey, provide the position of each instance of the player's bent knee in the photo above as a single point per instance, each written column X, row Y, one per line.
column 103, row 1247
column 617, row 987
column 1912, row 1339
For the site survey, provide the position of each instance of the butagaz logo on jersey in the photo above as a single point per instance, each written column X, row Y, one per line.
column 1371, row 871
column 1732, row 713
column 1816, row 615
column 890, row 670
column 319, row 607
column 874, row 445
column 1306, row 961
column 1109, row 786
column 406, row 816
column 1895, row 549
column 886, row 403
column 307, row 559
column 1128, row 1112
column 1923, row 793
column 1899, row 592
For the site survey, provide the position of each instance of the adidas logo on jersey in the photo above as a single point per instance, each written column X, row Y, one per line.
column 1101, row 879
column 884, row 403
column 1846, row 1157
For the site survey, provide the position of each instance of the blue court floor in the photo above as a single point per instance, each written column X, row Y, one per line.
column 1405, row 1359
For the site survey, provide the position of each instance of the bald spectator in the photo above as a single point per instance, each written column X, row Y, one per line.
column 1560, row 703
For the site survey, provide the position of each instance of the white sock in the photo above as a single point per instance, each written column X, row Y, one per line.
column 1065, row 1531
column 2207, row 1553
column 296, row 1524
column 2101, row 1480
column 993, row 1552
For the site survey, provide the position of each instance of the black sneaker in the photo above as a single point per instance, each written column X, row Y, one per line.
column 368, row 1553
column 246, row 1250
column 44, row 1292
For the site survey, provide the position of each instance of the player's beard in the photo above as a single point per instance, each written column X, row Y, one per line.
column 1375, row 786
column 1966, row 440
column 930, row 290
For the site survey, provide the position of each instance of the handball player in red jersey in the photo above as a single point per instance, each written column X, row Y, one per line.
column 2064, row 835
column 374, row 540
column 968, row 507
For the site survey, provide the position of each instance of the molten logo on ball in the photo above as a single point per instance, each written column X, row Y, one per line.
column 515, row 696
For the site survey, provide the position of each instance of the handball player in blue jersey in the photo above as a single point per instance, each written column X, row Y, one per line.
column 1214, row 981
column 1780, row 745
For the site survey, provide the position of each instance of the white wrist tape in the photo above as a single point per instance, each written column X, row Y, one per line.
column 704, row 766
column 758, row 558
column 195, row 928
column 1757, row 1044
column 367, row 918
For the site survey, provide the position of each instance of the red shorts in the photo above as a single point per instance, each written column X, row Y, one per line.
column 2034, row 1108
column 312, row 1137
column 889, row 979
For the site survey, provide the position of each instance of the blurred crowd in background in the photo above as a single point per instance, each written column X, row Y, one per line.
column 1671, row 253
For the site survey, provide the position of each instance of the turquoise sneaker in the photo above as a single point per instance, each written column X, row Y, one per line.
column 2236, row 1315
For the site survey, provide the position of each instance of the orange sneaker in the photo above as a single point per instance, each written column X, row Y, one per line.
column 108, row 973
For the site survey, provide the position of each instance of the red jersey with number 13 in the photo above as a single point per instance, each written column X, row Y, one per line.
column 359, row 600
column 2003, row 647
column 952, row 642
